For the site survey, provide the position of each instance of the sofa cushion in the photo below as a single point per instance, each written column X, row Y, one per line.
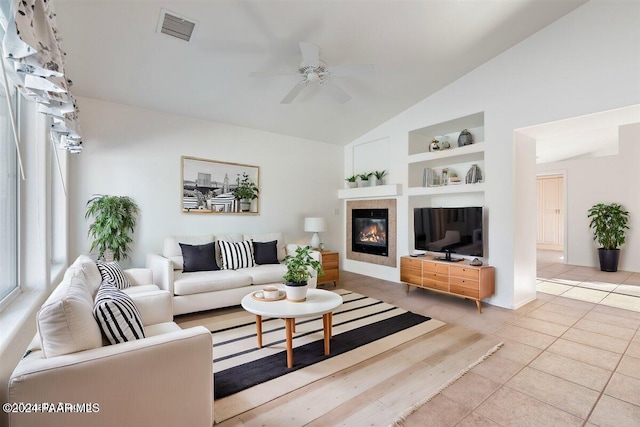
column 198, row 257
column 236, row 255
column 265, row 252
column 208, row 281
column 172, row 249
column 65, row 321
column 113, row 275
column 117, row 315
column 92, row 275
column 269, row 237
column 266, row 273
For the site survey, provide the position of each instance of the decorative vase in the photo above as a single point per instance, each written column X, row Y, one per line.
column 351, row 184
column 465, row 138
column 434, row 146
column 296, row 292
column 363, row 183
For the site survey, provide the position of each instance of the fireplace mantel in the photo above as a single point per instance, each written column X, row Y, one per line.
column 388, row 190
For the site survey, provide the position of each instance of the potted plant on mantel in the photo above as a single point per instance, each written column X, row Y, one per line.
column 115, row 219
column 609, row 225
column 299, row 270
column 245, row 192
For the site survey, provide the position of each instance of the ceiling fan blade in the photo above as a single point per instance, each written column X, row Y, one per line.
column 295, row 91
column 310, row 54
column 353, row 70
column 337, row 93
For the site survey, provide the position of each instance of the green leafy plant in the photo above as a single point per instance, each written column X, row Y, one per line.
column 300, row 266
column 609, row 224
column 246, row 189
column 115, row 219
column 380, row 174
column 365, row 176
column 352, row 178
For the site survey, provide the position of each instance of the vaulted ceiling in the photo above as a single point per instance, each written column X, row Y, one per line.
column 115, row 53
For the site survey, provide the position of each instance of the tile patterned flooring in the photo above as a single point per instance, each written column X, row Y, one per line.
column 570, row 358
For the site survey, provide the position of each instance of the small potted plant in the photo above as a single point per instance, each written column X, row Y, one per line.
column 364, row 179
column 351, row 181
column 609, row 225
column 300, row 269
column 377, row 178
column 245, row 192
column 115, row 219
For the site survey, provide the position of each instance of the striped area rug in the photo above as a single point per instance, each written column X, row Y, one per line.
column 246, row 377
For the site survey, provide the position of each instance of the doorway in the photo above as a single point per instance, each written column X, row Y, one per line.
column 550, row 215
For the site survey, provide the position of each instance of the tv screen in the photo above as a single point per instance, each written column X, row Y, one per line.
column 457, row 230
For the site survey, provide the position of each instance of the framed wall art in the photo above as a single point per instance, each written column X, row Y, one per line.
column 212, row 186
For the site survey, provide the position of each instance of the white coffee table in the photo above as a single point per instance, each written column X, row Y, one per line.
column 318, row 302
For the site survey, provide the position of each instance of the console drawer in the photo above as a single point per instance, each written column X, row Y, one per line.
column 467, row 273
column 465, row 283
column 461, row 290
column 436, row 267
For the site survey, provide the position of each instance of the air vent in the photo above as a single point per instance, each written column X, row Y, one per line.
column 176, row 26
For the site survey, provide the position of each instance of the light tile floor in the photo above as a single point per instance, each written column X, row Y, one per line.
column 570, row 358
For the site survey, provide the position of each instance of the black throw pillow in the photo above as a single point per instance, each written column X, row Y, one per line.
column 198, row 257
column 266, row 252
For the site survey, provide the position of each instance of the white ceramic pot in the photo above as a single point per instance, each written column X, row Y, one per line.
column 296, row 293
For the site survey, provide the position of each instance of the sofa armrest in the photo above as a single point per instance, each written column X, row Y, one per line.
column 162, row 271
column 154, row 306
column 164, row 380
column 139, row 276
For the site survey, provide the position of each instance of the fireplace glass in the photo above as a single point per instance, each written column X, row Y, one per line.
column 369, row 231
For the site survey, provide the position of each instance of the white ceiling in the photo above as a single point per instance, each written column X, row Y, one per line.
column 417, row 46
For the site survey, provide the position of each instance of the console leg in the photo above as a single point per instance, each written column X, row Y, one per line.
column 479, row 304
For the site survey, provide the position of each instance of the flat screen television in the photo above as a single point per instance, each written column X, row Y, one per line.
column 449, row 230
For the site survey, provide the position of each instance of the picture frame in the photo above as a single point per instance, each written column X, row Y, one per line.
column 211, row 186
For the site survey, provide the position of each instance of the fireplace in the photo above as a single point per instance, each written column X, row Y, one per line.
column 369, row 230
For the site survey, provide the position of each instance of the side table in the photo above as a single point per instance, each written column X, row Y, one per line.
column 331, row 267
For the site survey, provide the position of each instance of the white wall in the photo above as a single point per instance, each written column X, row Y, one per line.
column 136, row 152
column 611, row 179
column 573, row 67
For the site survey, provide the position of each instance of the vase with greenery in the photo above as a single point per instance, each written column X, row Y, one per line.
column 609, row 223
column 364, row 179
column 351, row 181
column 377, row 178
column 245, row 192
column 114, row 221
column 300, row 269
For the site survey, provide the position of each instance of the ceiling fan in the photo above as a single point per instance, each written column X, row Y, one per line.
column 313, row 70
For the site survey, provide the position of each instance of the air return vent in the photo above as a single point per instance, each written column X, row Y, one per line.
column 176, row 26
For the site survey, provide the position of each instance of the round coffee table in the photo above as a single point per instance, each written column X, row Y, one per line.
column 318, row 302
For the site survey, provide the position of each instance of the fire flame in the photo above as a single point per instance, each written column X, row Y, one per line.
column 373, row 234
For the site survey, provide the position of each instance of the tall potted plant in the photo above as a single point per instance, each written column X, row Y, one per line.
column 246, row 191
column 115, row 219
column 299, row 270
column 609, row 225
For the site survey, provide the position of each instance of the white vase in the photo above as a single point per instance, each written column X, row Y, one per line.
column 296, row 293
column 373, row 181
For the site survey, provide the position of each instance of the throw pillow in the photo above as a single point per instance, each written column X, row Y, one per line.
column 236, row 255
column 198, row 257
column 112, row 274
column 117, row 315
column 265, row 252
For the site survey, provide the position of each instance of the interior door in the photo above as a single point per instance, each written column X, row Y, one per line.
column 550, row 213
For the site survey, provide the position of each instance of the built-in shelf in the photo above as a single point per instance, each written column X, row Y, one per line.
column 446, row 189
column 453, row 155
column 388, row 190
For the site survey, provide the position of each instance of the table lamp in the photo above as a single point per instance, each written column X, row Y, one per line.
column 315, row 225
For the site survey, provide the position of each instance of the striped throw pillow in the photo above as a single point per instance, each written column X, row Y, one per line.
column 112, row 274
column 117, row 315
column 236, row 255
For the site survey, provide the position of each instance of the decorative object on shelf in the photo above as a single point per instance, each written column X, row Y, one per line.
column 115, row 219
column 315, row 225
column 364, row 179
column 476, row 262
column 210, row 186
column 444, row 176
column 454, row 179
column 299, row 267
column 609, row 225
column 443, row 141
column 474, row 175
column 377, row 178
column 434, row 146
column 430, row 178
column 465, row 138
column 351, row 181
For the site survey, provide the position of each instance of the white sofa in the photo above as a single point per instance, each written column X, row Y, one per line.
column 207, row 290
column 164, row 379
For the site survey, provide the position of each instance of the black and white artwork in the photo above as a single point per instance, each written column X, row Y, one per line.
column 211, row 186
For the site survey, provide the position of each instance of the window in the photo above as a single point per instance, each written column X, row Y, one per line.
column 57, row 205
column 9, row 218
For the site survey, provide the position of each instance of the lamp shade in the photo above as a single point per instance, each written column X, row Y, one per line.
column 315, row 224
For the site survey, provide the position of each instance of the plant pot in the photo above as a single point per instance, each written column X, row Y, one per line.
column 373, row 181
column 245, row 205
column 363, row 183
column 296, row 292
column 609, row 259
column 351, row 184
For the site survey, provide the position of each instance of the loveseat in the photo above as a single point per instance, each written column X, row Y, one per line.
column 71, row 376
column 218, row 285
